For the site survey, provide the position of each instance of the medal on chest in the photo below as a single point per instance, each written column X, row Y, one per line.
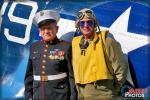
column 56, row 54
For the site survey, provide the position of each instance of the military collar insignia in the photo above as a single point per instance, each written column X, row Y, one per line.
column 57, row 54
column 41, row 13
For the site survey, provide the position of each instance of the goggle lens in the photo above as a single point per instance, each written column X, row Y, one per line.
column 80, row 15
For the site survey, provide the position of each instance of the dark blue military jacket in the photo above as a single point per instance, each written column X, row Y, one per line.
column 46, row 59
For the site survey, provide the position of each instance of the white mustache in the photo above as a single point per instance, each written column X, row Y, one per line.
column 88, row 32
column 49, row 34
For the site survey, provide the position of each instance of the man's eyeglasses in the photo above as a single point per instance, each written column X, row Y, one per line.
column 80, row 15
column 89, row 23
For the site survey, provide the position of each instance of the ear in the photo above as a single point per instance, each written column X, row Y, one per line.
column 40, row 32
column 57, row 27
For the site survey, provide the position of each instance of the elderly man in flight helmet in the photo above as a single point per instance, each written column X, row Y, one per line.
column 98, row 61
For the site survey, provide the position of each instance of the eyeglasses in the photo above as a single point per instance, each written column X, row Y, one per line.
column 80, row 15
column 89, row 23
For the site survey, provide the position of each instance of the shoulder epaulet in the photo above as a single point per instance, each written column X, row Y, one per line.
column 37, row 42
column 66, row 42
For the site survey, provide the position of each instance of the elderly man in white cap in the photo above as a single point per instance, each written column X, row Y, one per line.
column 49, row 74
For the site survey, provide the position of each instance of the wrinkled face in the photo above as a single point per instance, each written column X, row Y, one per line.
column 86, row 26
column 49, row 31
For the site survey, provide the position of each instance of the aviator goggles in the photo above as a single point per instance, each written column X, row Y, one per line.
column 89, row 13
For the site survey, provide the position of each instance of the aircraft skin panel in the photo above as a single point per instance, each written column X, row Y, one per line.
column 127, row 21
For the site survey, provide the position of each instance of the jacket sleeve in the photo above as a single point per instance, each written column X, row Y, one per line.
column 71, row 76
column 118, row 62
column 28, row 80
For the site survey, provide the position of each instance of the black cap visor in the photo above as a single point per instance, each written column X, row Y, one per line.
column 45, row 22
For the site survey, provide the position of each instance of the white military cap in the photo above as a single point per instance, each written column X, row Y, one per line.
column 45, row 15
